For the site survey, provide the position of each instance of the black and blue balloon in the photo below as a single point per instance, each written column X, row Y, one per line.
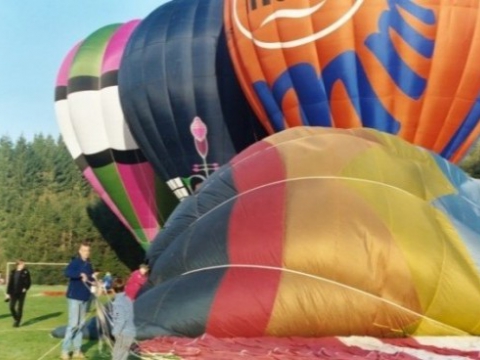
column 180, row 94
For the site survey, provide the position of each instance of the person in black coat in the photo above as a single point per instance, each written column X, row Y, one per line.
column 18, row 284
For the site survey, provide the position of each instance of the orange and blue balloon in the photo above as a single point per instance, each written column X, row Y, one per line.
column 406, row 67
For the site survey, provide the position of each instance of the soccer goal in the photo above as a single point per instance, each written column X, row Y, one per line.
column 11, row 267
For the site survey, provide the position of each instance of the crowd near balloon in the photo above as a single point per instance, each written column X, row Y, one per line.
column 290, row 167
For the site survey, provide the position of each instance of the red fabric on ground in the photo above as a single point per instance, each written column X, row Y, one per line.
column 211, row 348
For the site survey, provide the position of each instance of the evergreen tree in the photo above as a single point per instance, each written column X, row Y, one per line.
column 47, row 210
column 471, row 163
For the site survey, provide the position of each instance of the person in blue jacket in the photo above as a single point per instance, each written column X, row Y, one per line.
column 81, row 277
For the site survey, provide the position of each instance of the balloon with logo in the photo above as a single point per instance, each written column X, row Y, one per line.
column 320, row 232
column 400, row 66
column 180, row 94
column 95, row 132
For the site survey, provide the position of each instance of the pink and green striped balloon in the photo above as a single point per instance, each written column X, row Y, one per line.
column 95, row 132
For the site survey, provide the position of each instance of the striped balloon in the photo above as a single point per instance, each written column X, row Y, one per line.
column 97, row 126
column 68, row 133
column 321, row 232
column 405, row 67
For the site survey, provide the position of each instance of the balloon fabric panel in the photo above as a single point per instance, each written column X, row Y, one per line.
column 68, row 133
column 97, row 123
column 150, row 198
column 180, row 96
column 389, row 65
column 86, row 107
column 333, row 242
column 265, row 249
column 171, row 312
column 171, row 260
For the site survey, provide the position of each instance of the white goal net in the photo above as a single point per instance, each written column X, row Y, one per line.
column 11, row 267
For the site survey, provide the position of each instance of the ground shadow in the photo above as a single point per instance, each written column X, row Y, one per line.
column 4, row 316
column 100, row 354
column 41, row 318
column 97, row 354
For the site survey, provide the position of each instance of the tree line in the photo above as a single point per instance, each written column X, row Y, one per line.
column 47, row 208
column 471, row 163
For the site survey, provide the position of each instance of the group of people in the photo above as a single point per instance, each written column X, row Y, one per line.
column 82, row 280
column 82, row 277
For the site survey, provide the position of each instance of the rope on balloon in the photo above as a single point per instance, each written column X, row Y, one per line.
column 104, row 325
column 320, row 177
column 171, row 354
column 101, row 321
column 275, row 147
column 336, row 283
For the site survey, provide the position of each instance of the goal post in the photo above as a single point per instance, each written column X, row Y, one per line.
column 10, row 263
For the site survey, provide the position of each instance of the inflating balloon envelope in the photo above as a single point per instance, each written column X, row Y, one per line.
column 404, row 67
column 318, row 231
column 180, row 94
column 94, row 129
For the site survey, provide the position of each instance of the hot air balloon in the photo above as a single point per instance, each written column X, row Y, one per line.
column 320, row 232
column 180, row 95
column 94, row 130
column 400, row 66
column 68, row 133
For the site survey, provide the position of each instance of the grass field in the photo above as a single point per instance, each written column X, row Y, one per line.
column 32, row 341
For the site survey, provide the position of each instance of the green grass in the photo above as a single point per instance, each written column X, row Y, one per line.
column 41, row 314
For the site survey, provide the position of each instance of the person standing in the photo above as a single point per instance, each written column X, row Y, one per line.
column 18, row 284
column 123, row 327
column 2, row 282
column 81, row 276
column 136, row 280
column 107, row 282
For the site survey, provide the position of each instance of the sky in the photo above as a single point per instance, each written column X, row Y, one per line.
column 35, row 37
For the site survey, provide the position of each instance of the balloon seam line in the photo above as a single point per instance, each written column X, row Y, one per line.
column 266, row 267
